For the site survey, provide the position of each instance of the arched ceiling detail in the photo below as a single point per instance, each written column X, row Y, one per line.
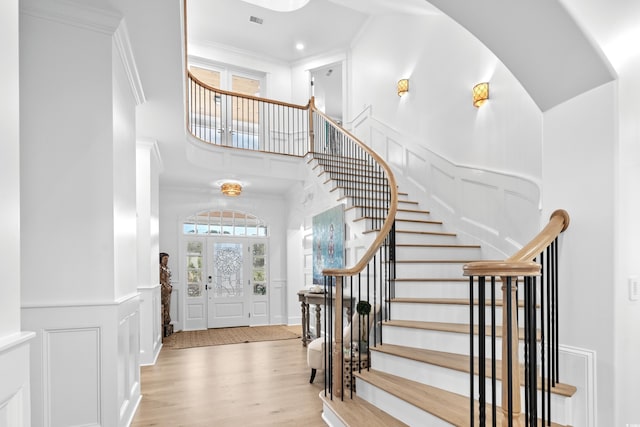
column 539, row 42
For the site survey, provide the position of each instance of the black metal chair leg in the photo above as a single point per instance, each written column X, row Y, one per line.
column 313, row 375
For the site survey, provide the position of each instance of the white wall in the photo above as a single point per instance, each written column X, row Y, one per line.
column 15, row 395
column 124, row 179
column 579, row 174
column 300, row 76
column 9, row 172
column 443, row 62
column 66, row 161
column 78, row 213
column 627, row 231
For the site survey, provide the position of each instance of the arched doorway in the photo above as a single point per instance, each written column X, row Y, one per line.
column 225, row 259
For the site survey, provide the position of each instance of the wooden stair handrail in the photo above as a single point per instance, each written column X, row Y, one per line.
column 558, row 222
column 519, row 264
column 391, row 215
column 515, row 264
column 242, row 95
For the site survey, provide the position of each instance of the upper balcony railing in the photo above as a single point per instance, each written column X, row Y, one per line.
column 234, row 120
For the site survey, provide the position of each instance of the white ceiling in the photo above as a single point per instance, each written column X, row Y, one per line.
column 321, row 25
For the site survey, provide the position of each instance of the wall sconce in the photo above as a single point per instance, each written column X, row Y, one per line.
column 403, row 86
column 231, row 189
column 480, row 94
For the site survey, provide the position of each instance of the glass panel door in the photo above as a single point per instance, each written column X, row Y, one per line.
column 195, row 301
column 259, row 284
column 245, row 112
column 228, row 293
column 209, row 107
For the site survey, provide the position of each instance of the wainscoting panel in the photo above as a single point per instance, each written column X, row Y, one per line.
column 85, row 363
column 128, row 385
column 395, row 153
column 485, row 199
column 519, row 208
column 578, row 368
column 15, row 409
column 150, row 335
column 72, row 378
column 415, row 169
column 444, row 187
column 473, row 202
column 378, row 143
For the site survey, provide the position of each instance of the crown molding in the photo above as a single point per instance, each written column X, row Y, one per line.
column 74, row 13
column 123, row 46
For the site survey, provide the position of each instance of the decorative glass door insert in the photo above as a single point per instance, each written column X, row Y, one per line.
column 227, row 270
column 229, row 300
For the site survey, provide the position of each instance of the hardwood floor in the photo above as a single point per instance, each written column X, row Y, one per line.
column 252, row 384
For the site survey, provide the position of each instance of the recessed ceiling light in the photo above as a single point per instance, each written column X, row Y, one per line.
column 299, row 46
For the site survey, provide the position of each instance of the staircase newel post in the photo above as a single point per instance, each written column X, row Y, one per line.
column 509, row 286
column 312, row 106
column 338, row 357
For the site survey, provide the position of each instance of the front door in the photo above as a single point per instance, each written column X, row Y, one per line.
column 228, row 290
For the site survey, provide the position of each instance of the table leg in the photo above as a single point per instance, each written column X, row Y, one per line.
column 305, row 324
column 318, row 330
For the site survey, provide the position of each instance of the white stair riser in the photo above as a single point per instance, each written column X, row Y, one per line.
column 397, row 408
column 367, row 199
column 431, row 289
column 413, row 226
column 436, row 252
column 449, row 313
column 413, row 214
column 440, row 289
column 356, row 183
column 330, row 418
column 437, row 340
column 416, row 238
column 458, row 382
column 419, row 270
column 343, row 167
column 418, row 226
column 356, row 201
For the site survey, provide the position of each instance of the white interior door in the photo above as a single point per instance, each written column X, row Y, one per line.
column 229, row 284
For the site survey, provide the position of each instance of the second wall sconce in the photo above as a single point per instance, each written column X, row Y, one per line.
column 403, row 87
column 480, row 94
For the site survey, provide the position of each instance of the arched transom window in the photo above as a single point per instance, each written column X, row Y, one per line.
column 224, row 223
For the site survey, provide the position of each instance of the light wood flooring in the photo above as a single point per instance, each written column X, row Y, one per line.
column 250, row 384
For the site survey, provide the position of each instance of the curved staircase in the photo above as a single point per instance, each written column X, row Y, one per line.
column 419, row 375
column 420, row 371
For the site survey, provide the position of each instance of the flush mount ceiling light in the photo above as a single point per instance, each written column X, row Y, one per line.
column 231, row 189
column 403, row 87
column 480, row 94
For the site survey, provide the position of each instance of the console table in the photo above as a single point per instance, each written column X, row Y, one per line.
column 307, row 298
